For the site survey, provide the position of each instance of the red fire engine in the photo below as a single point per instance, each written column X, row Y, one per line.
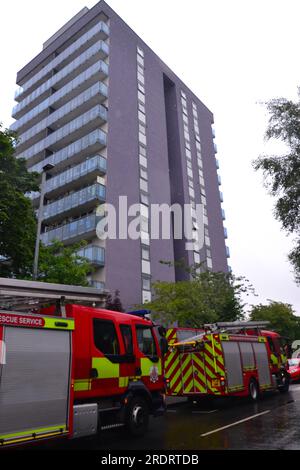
column 225, row 359
column 73, row 370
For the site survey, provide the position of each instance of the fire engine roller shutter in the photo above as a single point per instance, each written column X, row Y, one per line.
column 233, row 364
column 247, row 355
column 261, row 355
column 34, row 383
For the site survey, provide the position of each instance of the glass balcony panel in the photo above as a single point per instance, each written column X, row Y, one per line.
column 66, row 131
column 58, row 77
column 68, row 89
column 75, row 200
column 64, row 56
column 65, row 110
column 73, row 149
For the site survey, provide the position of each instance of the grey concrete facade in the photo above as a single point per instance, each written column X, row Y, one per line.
column 171, row 117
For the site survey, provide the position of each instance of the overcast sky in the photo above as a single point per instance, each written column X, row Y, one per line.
column 233, row 55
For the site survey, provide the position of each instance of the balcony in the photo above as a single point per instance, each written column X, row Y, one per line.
column 215, row 148
column 97, row 285
column 88, row 121
column 72, row 232
column 217, row 164
column 96, row 72
column 221, row 196
column 101, row 29
column 227, row 252
column 95, row 255
column 219, row 180
column 58, row 80
column 83, row 201
column 74, row 152
column 225, row 233
column 57, row 119
column 223, row 214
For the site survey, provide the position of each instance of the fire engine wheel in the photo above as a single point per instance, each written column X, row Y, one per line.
column 253, row 390
column 137, row 416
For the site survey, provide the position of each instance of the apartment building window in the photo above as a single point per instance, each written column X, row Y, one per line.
column 141, row 88
column 142, row 128
column 146, row 283
column 143, row 161
column 142, row 138
column 146, row 267
column 140, row 51
column 141, row 78
column 142, row 117
column 141, row 97
column 144, row 185
column 144, row 199
column 142, row 150
column 141, row 107
column 145, row 253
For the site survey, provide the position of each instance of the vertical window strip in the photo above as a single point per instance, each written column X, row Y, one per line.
column 142, row 156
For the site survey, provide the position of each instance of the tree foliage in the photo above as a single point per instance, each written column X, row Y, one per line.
column 63, row 265
column 17, row 219
column 206, row 298
column 115, row 303
column 282, row 173
column 281, row 316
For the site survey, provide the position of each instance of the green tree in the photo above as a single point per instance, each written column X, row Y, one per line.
column 281, row 316
column 206, row 298
column 17, row 219
column 282, row 173
column 63, row 265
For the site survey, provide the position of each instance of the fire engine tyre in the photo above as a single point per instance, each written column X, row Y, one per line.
column 253, row 390
column 137, row 416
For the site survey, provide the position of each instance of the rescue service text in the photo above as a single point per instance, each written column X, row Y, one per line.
column 17, row 320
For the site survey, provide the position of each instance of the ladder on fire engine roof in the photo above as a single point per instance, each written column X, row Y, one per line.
column 223, row 327
column 25, row 296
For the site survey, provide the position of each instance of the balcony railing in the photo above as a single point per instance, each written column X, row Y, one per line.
column 59, row 77
column 223, row 214
column 225, row 233
column 219, row 180
column 95, row 254
column 97, row 284
column 65, row 55
column 65, row 93
column 98, row 112
column 72, row 231
column 227, row 252
column 86, row 144
column 95, row 192
column 221, row 196
column 66, row 110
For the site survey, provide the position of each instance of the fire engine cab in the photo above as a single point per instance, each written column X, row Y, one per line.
column 73, row 370
column 225, row 359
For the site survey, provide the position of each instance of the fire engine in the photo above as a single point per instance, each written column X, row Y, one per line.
column 72, row 370
column 225, row 359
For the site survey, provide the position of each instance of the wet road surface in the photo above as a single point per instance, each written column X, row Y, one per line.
column 271, row 423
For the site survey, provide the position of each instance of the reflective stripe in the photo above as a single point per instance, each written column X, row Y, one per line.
column 50, row 323
column 24, row 435
column 123, row 381
column 82, row 385
column 105, row 368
